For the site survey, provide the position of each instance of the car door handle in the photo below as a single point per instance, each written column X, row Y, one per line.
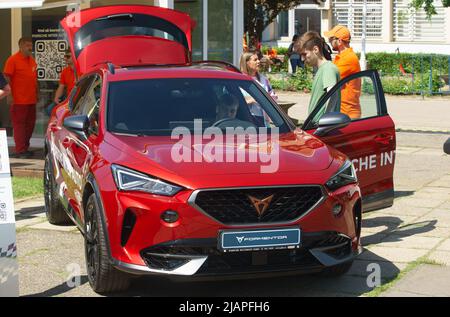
column 384, row 138
column 67, row 143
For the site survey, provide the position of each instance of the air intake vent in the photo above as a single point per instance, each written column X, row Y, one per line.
column 129, row 221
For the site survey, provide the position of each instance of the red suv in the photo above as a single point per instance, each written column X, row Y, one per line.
column 129, row 160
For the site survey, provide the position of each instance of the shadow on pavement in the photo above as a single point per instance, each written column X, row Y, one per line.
column 403, row 193
column 60, row 289
column 28, row 213
column 394, row 225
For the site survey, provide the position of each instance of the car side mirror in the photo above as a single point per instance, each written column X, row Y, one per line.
column 447, row 146
column 332, row 121
column 78, row 124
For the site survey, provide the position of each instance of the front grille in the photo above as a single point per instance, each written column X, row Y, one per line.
column 235, row 207
column 173, row 254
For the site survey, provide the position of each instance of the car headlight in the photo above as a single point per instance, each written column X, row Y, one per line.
column 130, row 180
column 346, row 175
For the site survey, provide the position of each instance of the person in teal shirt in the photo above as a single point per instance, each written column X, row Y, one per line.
column 327, row 74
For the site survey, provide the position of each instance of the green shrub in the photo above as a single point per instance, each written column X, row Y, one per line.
column 389, row 63
column 300, row 81
column 402, row 85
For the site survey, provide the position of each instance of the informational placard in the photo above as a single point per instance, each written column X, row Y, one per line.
column 9, row 269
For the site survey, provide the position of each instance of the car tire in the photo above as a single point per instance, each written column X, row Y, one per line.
column 337, row 270
column 102, row 276
column 56, row 214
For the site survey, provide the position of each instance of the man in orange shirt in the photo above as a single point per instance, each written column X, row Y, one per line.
column 347, row 62
column 66, row 82
column 21, row 72
column 67, row 79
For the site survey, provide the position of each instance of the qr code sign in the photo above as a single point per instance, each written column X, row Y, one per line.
column 50, row 58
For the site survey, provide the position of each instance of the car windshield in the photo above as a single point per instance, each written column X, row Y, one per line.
column 157, row 106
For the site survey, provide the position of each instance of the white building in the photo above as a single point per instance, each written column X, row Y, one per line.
column 391, row 24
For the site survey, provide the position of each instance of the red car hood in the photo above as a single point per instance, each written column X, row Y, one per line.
column 298, row 152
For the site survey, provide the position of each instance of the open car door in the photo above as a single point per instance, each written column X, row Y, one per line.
column 128, row 35
column 369, row 140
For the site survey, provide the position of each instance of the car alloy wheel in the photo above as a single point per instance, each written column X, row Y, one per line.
column 92, row 242
column 103, row 277
column 54, row 210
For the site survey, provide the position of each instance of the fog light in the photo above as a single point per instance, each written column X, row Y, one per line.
column 169, row 216
column 337, row 209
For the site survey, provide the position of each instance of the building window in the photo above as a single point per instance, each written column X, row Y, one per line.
column 350, row 14
column 220, row 30
column 195, row 10
column 283, row 24
column 413, row 26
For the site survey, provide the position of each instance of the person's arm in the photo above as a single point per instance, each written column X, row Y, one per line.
column 5, row 91
column 59, row 93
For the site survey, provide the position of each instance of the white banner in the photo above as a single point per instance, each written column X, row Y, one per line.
column 9, row 270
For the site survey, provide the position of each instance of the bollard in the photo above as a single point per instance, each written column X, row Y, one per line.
column 430, row 83
column 421, row 77
column 412, row 76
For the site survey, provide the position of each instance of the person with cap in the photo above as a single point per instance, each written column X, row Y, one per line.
column 348, row 63
column 327, row 75
column 5, row 89
column 66, row 82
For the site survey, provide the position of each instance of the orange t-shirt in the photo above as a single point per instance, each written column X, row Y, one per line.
column 347, row 62
column 22, row 72
column 67, row 79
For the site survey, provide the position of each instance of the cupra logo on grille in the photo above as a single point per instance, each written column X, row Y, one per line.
column 261, row 205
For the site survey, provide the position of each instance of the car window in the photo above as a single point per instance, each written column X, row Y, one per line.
column 355, row 98
column 79, row 93
column 157, row 106
column 89, row 105
column 127, row 25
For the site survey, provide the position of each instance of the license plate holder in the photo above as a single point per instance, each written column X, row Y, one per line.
column 261, row 239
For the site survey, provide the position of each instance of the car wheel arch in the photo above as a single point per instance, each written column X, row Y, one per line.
column 91, row 187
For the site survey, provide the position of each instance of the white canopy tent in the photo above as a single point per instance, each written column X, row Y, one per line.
column 10, row 4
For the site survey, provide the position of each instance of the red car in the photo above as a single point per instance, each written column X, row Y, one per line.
column 148, row 202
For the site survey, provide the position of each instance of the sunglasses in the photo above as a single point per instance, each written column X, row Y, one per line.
column 332, row 39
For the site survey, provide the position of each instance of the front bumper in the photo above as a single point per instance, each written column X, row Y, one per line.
column 201, row 257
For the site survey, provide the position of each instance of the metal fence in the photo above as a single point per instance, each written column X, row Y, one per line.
column 401, row 74
column 419, row 75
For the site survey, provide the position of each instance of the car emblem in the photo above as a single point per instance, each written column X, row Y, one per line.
column 261, row 205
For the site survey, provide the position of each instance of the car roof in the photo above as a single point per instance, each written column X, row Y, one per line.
column 217, row 70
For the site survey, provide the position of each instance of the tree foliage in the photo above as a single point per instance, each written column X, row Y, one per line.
column 428, row 6
column 260, row 13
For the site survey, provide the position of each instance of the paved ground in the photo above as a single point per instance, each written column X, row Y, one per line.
column 409, row 242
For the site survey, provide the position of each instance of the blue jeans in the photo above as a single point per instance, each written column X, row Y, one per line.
column 297, row 62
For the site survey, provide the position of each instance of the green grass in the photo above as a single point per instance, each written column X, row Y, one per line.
column 27, row 187
column 411, row 266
